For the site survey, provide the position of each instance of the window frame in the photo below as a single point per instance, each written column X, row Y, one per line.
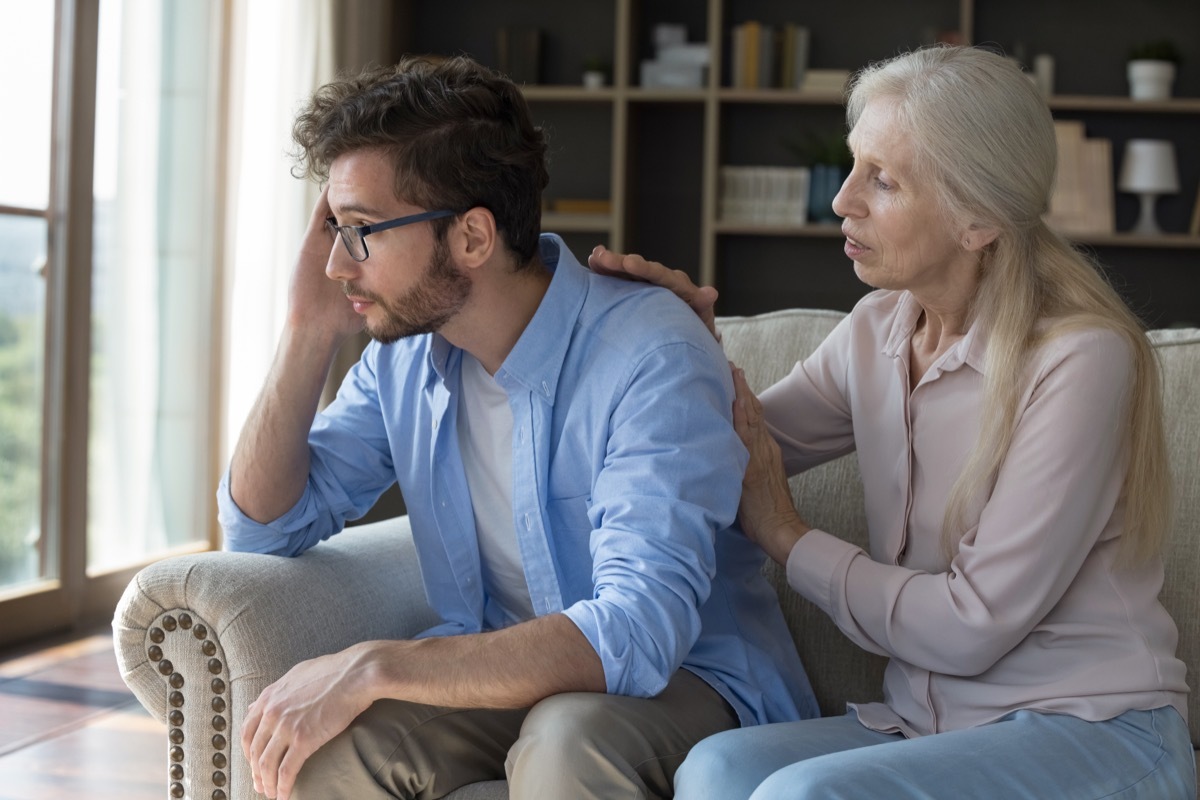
column 76, row 598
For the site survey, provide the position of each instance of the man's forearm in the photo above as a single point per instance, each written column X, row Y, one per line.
column 512, row 668
column 270, row 464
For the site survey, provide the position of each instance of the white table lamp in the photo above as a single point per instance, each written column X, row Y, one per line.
column 1149, row 170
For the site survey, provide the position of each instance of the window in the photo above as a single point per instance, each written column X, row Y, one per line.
column 109, row 265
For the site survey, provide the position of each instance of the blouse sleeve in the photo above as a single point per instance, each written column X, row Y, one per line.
column 1054, row 499
column 808, row 411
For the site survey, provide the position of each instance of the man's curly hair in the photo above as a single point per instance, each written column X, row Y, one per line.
column 459, row 135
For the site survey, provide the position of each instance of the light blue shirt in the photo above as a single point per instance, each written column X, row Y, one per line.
column 626, row 479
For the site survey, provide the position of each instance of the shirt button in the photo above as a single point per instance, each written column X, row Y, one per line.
column 528, row 521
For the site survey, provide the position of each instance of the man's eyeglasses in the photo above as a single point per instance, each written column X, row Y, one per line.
column 355, row 236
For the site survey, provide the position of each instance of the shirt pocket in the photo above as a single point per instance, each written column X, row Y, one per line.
column 570, row 535
column 569, row 515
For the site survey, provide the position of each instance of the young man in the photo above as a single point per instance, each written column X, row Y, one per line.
column 564, row 446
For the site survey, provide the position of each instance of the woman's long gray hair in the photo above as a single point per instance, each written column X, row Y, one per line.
column 984, row 137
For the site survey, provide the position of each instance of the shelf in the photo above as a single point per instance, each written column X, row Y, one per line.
column 640, row 95
column 830, row 230
column 571, row 94
column 780, row 96
column 1081, row 102
column 558, row 222
column 1167, row 240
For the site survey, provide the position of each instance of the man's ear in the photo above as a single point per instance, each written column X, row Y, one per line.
column 473, row 238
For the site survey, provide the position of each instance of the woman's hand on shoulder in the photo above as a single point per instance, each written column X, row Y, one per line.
column 701, row 299
column 766, row 513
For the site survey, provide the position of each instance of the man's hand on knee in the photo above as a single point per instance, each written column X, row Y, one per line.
column 293, row 717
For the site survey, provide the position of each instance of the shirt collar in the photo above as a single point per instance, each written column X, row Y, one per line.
column 970, row 350
column 537, row 358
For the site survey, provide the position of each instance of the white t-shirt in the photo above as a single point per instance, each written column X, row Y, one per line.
column 485, row 425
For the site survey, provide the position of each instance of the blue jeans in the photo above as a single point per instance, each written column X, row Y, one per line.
column 1140, row 754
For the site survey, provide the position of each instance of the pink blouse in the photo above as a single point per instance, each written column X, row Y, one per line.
column 1034, row 611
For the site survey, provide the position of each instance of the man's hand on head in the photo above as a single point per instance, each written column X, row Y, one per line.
column 314, row 299
column 701, row 299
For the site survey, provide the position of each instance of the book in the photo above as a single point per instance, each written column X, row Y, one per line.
column 519, row 54
column 763, row 195
column 1068, row 204
column 571, row 205
column 825, row 80
column 793, row 56
column 751, row 55
column 1097, row 168
column 768, row 46
column 1082, row 202
column 1194, row 228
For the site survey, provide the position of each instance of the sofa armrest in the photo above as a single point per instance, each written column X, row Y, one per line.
column 198, row 637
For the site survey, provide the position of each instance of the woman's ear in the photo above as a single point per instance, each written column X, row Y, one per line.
column 474, row 238
column 978, row 237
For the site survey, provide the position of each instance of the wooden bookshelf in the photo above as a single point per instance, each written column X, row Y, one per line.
column 656, row 153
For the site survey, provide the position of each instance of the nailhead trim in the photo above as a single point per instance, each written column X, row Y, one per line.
column 157, row 634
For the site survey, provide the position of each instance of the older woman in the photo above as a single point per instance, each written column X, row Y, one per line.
column 1004, row 405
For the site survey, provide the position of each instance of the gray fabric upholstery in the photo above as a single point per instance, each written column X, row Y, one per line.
column 262, row 614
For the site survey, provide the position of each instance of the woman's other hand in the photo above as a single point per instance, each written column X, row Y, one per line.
column 766, row 514
column 702, row 299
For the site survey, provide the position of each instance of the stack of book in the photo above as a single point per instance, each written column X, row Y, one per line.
column 825, row 80
column 1082, row 203
column 763, row 195
column 767, row 56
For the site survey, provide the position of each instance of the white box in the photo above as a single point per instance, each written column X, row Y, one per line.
column 665, row 75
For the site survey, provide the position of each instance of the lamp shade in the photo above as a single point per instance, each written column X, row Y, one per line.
column 1149, row 166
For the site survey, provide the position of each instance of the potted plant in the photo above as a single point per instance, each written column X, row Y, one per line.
column 595, row 73
column 1151, row 69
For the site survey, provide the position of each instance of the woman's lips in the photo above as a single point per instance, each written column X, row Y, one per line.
column 854, row 248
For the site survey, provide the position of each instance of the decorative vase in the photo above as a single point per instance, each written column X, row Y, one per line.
column 593, row 79
column 825, row 181
column 1150, row 80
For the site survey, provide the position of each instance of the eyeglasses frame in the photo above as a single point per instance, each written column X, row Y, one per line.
column 363, row 231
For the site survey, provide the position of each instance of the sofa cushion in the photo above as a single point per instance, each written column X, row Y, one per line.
column 767, row 347
column 1179, row 357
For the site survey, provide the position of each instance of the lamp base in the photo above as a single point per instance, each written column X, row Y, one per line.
column 1146, row 224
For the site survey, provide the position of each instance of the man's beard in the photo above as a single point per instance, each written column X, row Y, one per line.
column 426, row 307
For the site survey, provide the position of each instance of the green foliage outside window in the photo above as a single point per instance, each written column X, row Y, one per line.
column 20, row 432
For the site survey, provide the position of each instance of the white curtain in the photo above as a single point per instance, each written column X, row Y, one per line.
column 151, row 297
column 282, row 50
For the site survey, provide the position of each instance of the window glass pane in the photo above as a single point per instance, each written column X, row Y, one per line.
column 149, row 484
column 23, row 557
column 26, row 62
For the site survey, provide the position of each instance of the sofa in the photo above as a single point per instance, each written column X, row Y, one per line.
column 199, row 636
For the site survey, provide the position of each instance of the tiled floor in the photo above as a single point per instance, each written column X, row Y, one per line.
column 69, row 728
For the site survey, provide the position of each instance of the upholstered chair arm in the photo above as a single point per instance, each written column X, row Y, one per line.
column 198, row 637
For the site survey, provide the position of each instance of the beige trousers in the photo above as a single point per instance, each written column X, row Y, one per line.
column 577, row 745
